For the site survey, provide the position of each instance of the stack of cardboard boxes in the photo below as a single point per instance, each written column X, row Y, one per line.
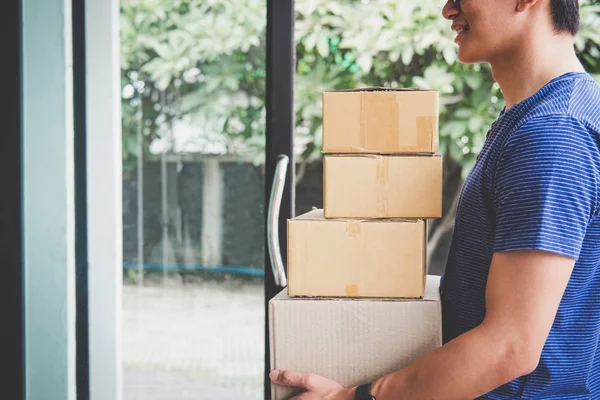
column 359, row 304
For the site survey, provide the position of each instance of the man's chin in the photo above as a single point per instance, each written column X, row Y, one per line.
column 468, row 57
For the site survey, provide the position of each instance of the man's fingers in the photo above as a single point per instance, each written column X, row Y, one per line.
column 289, row 378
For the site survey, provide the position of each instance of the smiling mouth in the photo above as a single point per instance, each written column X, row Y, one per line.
column 460, row 29
column 460, row 32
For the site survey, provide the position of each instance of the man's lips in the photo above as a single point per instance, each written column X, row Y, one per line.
column 460, row 29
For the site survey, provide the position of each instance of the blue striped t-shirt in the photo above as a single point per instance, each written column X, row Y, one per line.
column 536, row 185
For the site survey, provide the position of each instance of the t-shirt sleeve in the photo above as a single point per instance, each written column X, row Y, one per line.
column 546, row 187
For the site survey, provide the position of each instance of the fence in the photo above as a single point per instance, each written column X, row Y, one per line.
column 206, row 214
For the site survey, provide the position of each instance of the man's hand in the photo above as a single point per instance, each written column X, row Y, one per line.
column 315, row 387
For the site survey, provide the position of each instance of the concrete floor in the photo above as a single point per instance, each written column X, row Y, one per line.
column 198, row 340
column 156, row 386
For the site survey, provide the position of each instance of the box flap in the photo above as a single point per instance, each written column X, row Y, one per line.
column 318, row 215
column 379, row 156
column 314, row 215
column 432, row 293
column 381, row 89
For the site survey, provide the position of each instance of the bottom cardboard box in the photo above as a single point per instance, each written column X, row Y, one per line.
column 352, row 341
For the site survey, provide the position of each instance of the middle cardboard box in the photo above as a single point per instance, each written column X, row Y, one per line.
column 375, row 186
column 356, row 258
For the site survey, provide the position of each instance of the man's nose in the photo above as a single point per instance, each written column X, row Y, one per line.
column 450, row 10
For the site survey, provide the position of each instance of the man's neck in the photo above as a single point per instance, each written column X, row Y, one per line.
column 533, row 65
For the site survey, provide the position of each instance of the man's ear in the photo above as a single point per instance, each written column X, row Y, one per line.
column 524, row 5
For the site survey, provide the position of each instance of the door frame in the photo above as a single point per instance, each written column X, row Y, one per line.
column 82, row 346
column 102, row 154
column 12, row 346
column 280, row 114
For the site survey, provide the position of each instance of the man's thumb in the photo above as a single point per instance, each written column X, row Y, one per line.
column 288, row 378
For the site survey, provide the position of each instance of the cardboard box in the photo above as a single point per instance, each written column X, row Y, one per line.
column 371, row 186
column 381, row 121
column 352, row 341
column 354, row 258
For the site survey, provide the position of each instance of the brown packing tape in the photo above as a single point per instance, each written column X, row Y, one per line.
column 362, row 132
column 390, row 137
column 379, row 122
column 408, row 136
column 353, row 228
column 382, row 169
column 395, row 136
column 352, row 291
column 435, row 145
column 382, row 205
column 382, row 176
column 427, row 128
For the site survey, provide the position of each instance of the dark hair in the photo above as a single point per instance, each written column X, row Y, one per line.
column 565, row 15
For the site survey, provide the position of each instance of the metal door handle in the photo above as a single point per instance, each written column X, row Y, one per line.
column 273, row 221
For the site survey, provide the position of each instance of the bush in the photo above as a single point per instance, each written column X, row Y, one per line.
column 205, row 61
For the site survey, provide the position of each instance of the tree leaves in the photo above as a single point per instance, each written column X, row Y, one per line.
column 206, row 59
column 449, row 55
column 407, row 54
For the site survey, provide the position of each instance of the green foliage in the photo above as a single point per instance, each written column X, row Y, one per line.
column 205, row 60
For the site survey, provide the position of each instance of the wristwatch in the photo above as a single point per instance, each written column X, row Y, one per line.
column 363, row 392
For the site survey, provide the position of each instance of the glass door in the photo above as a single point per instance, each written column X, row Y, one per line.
column 199, row 159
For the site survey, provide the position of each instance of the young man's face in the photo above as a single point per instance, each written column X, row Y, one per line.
column 486, row 29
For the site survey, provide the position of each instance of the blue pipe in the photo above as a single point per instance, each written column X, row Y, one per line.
column 154, row 267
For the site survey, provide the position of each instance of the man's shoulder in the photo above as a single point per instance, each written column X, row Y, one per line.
column 562, row 120
column 584, row 103
column 576, row 99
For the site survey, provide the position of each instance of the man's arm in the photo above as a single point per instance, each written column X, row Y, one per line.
column 523, row 294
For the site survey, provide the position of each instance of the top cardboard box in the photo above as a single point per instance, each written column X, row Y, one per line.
column 381, row 121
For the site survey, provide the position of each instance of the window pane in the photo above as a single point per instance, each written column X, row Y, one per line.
column 193, row 80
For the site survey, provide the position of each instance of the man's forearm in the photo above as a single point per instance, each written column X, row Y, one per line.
column 471, row 365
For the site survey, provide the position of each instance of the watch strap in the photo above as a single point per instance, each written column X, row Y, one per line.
column 363, row 392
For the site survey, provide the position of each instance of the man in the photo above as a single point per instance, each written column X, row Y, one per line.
column 521, row 292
